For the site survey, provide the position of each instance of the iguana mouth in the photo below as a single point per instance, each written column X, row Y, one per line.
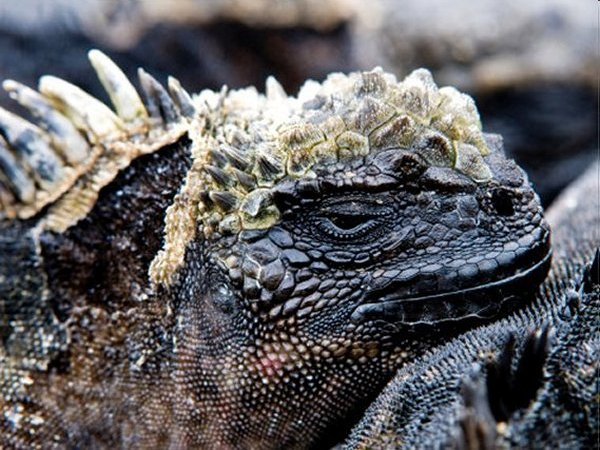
column 480, row 302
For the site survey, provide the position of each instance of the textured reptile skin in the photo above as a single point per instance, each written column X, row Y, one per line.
column 237, row 270
column 526, row 381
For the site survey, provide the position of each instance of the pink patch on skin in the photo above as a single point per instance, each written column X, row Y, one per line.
column 269, row 366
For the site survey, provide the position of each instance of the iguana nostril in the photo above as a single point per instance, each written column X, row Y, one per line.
column 503, row 203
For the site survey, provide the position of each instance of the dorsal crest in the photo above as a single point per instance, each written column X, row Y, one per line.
column 78, row 144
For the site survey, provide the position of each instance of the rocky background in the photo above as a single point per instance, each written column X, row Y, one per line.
column 532, row 66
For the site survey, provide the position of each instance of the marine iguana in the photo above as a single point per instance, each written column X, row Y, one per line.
column 529, row 380
column 238, row 270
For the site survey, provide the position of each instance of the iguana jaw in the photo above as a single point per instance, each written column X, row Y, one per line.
column 479, row 302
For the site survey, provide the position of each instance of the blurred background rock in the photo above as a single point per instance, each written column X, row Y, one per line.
column 532, row 65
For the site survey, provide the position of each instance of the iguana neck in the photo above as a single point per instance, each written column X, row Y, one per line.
column 232, row 387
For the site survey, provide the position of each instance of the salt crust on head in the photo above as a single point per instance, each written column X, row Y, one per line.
column 244, row 143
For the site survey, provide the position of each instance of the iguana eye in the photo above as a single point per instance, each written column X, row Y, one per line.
column 345, row 226
column 350, row 220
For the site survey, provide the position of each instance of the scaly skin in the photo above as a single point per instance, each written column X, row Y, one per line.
column 526, row 381
column 310, row 247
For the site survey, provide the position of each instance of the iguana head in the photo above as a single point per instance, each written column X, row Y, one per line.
column 361, row 200
column 324, row 229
